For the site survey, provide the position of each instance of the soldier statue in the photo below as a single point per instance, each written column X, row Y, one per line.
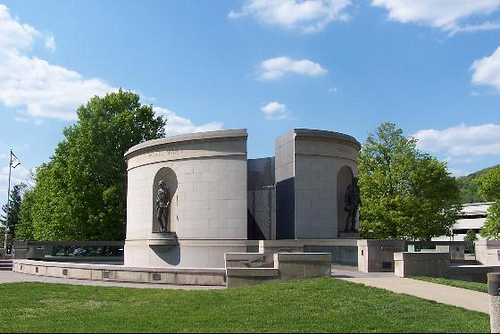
column 162, row 204
column 352, row 202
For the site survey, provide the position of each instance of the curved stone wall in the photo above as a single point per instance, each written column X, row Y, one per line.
column 206, row 174
column 309, row 165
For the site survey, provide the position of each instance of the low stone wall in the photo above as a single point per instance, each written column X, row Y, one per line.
column 434, row 264
column 119, row 273
column 375, row 255
column 249, row 260
column 487, row 251
column 474, row 273
column 303, row 265
column 285, row 266
column 455, row 248
column 343, row 251
column 431, row 264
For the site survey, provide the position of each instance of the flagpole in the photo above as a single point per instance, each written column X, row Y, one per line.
column 8, row 207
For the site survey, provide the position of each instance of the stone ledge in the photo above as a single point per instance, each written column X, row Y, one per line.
column 186, row 138
column 421, row 256
column 326, row 135
column 118, row 273
column 163, row 241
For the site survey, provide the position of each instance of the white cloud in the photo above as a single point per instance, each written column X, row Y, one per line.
column 276, row 68
column 333, row 90
column 307, row 16
column 179, row 125
column 487, row 70
column 462, row 140
column 451, row 16
column 43, row 89
column 50, row 43
column 275, row 111
column 49, row 91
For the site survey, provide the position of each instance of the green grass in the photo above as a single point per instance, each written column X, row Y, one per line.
column 481, row 287
column 319, row 305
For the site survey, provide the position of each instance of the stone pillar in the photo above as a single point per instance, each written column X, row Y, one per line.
column 494, row 298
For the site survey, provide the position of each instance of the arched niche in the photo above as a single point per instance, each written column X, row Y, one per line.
column 170, row 178
column 344, row 179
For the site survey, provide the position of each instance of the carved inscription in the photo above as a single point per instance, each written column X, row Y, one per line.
column 170, row 154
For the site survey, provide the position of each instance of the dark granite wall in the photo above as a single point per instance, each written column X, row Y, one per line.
column 261, row 198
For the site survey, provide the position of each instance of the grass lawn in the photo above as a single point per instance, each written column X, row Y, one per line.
column 319, row 305
column 481, row 287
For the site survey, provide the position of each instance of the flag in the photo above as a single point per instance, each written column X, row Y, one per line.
column 14, row 161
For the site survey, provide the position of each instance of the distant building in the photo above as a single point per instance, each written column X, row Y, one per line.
column 472, row 217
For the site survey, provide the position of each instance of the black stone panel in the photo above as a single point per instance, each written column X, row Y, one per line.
column 260, row 173
column 261, row 198
column 285, row 209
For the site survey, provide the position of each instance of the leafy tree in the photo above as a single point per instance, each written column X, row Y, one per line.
column 470, row 236
column 11, row 212
column 24, row 229
column 80, row 194
column 491, row 229
column 469, row 239
column 489, row 188
column 489, row 184
column 406, row 194
column 468, row 189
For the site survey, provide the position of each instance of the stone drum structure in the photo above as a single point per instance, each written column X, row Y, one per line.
column 195, row 197
column 206, row 178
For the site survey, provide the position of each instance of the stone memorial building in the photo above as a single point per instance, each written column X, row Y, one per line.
column 192, row 198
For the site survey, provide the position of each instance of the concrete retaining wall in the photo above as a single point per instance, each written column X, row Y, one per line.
column 103, row 272
column 475, row 273
column 432, row 264
column 285, row 266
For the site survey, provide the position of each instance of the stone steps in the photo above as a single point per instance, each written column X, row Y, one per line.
column 6, row 265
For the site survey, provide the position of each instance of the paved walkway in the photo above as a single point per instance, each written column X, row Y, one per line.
column 472, row 300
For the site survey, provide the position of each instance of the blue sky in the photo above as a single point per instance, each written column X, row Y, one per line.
column 430, row 66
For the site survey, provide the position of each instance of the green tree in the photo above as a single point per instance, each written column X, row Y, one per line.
column 489, row 184
column 11, row 212
column 24, row 230
column 489, row 188
column 491, row 228
column 468, row 190
column 406, row 194
column 470, row 238
column 80, row 194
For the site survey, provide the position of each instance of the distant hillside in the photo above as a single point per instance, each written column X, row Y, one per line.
column 468, row 190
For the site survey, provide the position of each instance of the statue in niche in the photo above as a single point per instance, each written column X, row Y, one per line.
column 162, row 204
column 352, row 202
